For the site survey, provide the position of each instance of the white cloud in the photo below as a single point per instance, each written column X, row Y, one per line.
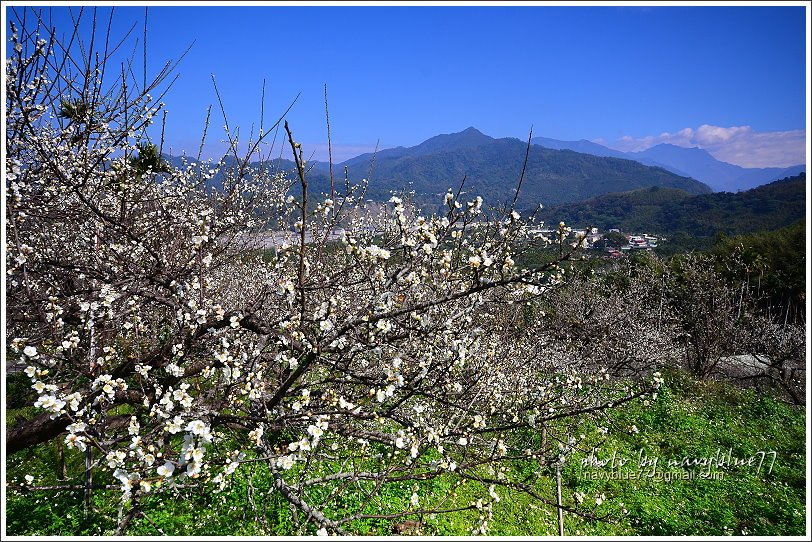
column 712, row 135
column 740, row 145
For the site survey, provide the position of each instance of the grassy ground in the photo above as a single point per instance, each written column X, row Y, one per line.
column 690, row 422
column 694, row 431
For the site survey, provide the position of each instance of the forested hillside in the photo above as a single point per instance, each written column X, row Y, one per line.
column 678, row 214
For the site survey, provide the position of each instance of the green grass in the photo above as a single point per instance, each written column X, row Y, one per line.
column 688, row 420
column 694, row 420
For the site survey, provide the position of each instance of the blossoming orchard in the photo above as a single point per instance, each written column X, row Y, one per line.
column 168, row 347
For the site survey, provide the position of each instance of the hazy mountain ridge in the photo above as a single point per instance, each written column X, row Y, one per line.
column 491, row 168
column 557, row 171
column 691, row 162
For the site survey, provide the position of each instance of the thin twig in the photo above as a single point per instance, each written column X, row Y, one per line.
column 163, row 134
column 232, row 142
column 372, row 162
column 297, row 156
column 146, row 517
column 205, row 131
column 262, row 109
column 524, row 167
column 329, row 144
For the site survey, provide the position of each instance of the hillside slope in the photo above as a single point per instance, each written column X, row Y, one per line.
column 668, row 211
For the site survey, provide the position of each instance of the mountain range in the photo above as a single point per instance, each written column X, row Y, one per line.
column 690, row 162
column 492, row 168
column 556, row 172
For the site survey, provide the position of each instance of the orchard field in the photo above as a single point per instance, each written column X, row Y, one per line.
column 443, row 373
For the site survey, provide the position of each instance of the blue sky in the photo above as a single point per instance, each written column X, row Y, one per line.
column 731, row 79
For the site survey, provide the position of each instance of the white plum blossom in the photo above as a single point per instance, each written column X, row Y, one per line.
column 493, row 494
column 75, row 441
column 286, row 462
column 174, row 426
column 193, row 469
column 256, row 435
column 376, row 252
column 50, row 402
column 325, row 325
column 199, row 428
column 166, row 469
column 315, row 431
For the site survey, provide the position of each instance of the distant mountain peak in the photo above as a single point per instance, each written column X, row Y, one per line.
column 469, row 133
column 695, row 161
column 672, row 146
column 582, row 145
column 470, row 137
column 678, row 148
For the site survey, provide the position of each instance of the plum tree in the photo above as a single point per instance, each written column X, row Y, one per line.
column 165, row 340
